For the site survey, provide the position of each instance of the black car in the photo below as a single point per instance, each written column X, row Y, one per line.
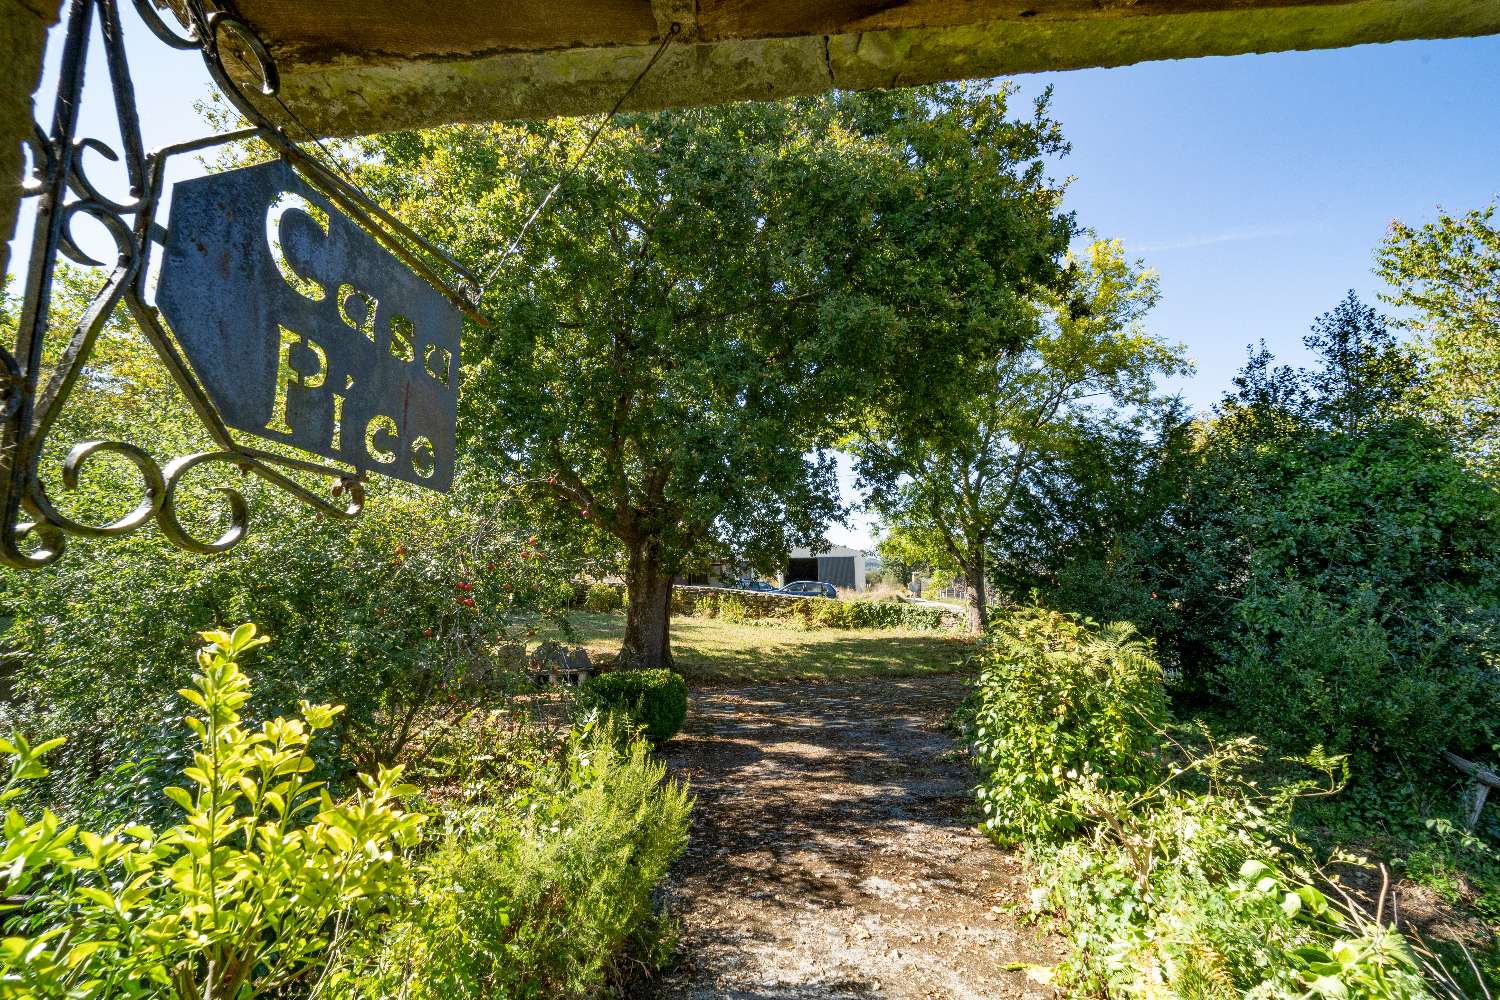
column 760, row 586
column 809, row 588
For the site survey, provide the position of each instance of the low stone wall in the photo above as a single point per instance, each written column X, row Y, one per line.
column 758, row 603
column 687, row 600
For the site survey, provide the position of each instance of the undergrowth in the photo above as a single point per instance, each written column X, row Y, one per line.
column 541, row 888
column 1171, row 869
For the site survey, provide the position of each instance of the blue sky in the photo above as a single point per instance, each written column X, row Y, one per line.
column 1257, row 186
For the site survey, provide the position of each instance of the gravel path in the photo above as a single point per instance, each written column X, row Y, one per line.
column 833, row 853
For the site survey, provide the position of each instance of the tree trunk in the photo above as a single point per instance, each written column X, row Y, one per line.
column 648, row 611
column 979, row 607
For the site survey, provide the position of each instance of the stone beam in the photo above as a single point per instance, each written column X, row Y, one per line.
column 23, row 40
column 353, row 66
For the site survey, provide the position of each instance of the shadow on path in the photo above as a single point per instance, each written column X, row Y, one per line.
column 833, row 852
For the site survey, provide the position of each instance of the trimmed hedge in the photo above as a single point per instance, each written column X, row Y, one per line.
column 741, row 607
column 656, row 700
column 870, row 614
column 811, row 612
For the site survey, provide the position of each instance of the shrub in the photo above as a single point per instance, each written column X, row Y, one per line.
column 1064, row 703
column 1310, row 668
column 1369, row 615
column 1204, row 894
column 243, row 897
column 603, row 597
column 726, row 607
column 655, row 700
column 394, row 615
column 543, row 896
column 817, row 613
column 872, row 614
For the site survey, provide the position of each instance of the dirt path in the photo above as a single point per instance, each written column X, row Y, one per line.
column 833, row 854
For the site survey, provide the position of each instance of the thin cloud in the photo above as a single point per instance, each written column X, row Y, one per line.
column 1241, row 235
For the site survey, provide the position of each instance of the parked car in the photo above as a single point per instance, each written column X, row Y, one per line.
column 809, row 588
column 760, row 586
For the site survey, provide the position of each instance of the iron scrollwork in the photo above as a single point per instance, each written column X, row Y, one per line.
column 33, row 530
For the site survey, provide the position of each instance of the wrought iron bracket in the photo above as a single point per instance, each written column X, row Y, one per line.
column 33, row 529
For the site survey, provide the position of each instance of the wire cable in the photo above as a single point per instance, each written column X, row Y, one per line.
column 334, row 164
column 577, row 161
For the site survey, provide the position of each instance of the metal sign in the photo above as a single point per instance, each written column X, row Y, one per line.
column 303, row 329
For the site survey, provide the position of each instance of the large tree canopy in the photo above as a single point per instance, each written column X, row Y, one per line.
column 1040, row 433
column 713, row 297
column 1447, row 272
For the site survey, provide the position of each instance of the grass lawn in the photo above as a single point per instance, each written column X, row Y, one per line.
column 710, row 651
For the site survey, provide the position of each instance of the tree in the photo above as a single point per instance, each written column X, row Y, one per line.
column 974, row 489
column 1365, row 376
column 1448, row 273
column 1328, row 571
column 1339, row 588
column 714, row 296
column 901, row 556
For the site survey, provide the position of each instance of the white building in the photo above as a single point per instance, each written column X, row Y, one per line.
column 839, row 565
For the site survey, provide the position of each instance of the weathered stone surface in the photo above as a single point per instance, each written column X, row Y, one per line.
column 358, row 66
column 354, row 95
column 352, row 66
column 556, row 664
column 23, row 40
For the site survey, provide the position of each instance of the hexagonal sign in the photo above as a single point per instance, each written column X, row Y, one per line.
column 304, row 329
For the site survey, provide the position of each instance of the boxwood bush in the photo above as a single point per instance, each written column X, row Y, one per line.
column 655, row 700
column 603, row 597
column 1064, row 705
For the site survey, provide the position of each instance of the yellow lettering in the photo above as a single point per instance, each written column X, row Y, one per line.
column 284, row 203
column 338, row 422
column 366, row 323
column 337, row 441
column 423, row 458
column 287, row 376
column 439, row 362
column 403, row 339
column 380, row 424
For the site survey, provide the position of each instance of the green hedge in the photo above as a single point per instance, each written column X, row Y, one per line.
column 869, row 614
column 815, row 612
column 656, row 700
